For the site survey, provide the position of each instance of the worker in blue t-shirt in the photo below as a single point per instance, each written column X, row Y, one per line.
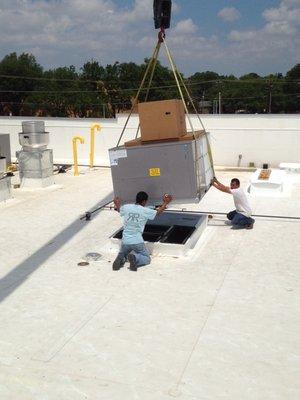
column 135, row 217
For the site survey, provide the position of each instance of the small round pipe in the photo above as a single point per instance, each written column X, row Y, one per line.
column 75, row 152
column 208, row 213
column 222, row 213
column 92, row 143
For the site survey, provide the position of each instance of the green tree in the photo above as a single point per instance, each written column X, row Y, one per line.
column 112, row 87
column 95, row 95
column 163, row 86
column 60, row 93
column 275, row 99
column 122, row 81
column 203, row 87
column 291, row 90
column 14, row 90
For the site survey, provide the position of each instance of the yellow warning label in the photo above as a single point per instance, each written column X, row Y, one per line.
column 154, row 171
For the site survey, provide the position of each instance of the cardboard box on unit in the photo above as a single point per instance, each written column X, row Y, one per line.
column 161, row 120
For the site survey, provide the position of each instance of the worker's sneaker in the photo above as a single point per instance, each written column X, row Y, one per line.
column 118, row 263
column 228, row 223
column 250, row 226
column 237, row 227
column 132, row 262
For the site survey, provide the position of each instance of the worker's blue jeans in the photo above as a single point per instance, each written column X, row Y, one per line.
column 139, row 250
column 239, row 219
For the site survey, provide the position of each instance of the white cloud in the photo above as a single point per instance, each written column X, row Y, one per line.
column 65, row 32
column 74, row 30
column 175, row 7
column 283, row 20
column 240, row 36
column 185, row 27
column 278, row 40
column 229, row 14
column 280, row 21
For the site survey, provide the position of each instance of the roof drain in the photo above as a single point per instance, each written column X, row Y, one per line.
column 171, row 233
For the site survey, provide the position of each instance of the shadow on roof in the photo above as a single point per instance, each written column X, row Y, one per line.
column 10, row 282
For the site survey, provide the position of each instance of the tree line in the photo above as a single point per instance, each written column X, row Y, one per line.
column 27, row 89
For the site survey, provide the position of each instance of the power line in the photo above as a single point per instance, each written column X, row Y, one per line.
column 97, row 91
column 3, row 103
column 124, row 102
column 102, row 81
column 188, row 80
column 117, row 90
column 260, row 81
column 94, row 91
column 252, row 97
column 37, row 78
column 89, row 91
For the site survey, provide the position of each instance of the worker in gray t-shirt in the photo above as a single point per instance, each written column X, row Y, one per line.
column 241, row 216
column 135, row 217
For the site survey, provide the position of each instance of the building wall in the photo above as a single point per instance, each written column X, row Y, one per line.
column 257, row 138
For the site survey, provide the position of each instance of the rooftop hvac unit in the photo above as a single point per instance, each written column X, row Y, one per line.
column 180, row 168
column 5, row 179
column 5, row 147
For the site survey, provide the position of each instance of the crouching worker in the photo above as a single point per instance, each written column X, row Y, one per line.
column 135, row 217
column 241, row 216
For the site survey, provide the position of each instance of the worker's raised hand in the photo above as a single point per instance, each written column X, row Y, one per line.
column 167, row 198
column 117, row 203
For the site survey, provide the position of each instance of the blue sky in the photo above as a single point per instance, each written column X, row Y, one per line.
column 204, row 13
column 226, row 36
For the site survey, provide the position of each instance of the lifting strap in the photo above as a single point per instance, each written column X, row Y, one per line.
column 152, row 63
column 171, row 60
column 180, row 84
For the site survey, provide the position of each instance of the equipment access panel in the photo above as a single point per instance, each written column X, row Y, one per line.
column 182, row 169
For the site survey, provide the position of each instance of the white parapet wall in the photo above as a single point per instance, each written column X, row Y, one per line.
column 237, row 140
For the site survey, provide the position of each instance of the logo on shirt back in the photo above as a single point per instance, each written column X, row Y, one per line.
column 133, row 217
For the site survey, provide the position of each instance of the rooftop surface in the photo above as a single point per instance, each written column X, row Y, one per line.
column 221, row 324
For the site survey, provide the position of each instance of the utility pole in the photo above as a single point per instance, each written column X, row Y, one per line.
column 270, row 97
column 216, row 106
column 220, row 103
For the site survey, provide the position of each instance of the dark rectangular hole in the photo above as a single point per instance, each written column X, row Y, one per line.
column 119, row 234
column 179, row 234
column 156, row 228
column 152, row 233
column 152, row 237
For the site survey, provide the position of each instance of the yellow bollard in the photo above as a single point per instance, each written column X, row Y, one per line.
column 75, row 153
column 92, row 145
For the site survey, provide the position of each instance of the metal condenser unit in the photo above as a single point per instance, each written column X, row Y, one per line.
column 180, row 168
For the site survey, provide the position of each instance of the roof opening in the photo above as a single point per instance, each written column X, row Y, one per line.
column 152, row 233
column 171, row 233
column 178, row 234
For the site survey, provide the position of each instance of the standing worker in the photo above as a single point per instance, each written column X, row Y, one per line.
column 135, row 217
column 241, row 216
